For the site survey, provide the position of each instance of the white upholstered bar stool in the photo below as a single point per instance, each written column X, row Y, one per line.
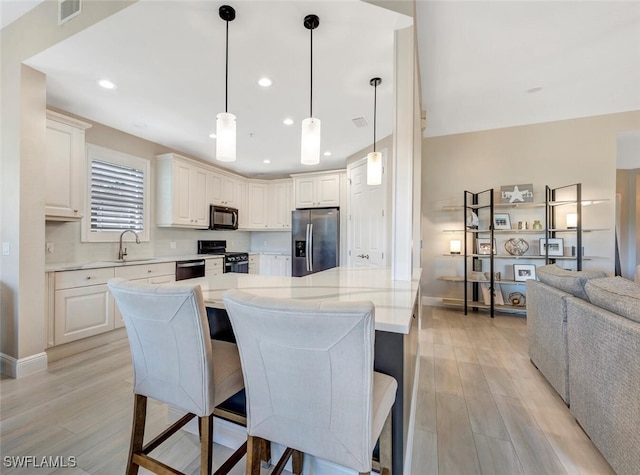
column 309, row 380
column 176, row 362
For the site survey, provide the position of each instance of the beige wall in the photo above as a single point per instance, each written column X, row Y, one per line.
column 554, row 153
column 22, row 129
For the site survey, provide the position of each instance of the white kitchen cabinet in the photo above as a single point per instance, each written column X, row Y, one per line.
column 275, row 264
column 254, row 263
column 258, row 206
column 280, row 205
column 226, row 191
column 154, row 273
column 181, row 192
column 83, row 305
column 64, row 167
column 317, row 190
column 214, row 266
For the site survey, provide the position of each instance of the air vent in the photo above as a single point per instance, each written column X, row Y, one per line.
column 67, row 9
column 360, row 122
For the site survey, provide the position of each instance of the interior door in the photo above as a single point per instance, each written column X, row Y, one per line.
column 367, row 229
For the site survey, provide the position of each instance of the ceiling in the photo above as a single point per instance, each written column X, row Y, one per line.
column 168, row 61
column 483, row 65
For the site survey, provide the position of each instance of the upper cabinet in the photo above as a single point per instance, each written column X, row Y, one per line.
column 226, row 191
column 317, row 190
column 182, row 189
column 269, row 205
column 65, row 166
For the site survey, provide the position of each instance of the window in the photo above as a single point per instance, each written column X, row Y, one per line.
column 117, row 195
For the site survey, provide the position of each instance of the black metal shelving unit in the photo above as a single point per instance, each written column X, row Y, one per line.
column 479, row 203
column 569, row 195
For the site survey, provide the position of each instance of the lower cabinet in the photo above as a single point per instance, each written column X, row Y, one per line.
column 214, row 266
column 84, row 307
column 275, row 264
column 254, row 263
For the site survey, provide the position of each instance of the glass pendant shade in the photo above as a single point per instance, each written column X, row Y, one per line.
column 374, row 168
column 226, row 137
column 310, row 149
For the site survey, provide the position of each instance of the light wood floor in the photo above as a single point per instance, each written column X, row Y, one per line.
column 482, row 408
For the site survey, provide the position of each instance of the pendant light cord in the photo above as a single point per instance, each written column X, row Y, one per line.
column 311, row 74
column 226, row 73
column 375, row 97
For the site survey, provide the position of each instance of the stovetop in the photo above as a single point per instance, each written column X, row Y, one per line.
column 220, row 248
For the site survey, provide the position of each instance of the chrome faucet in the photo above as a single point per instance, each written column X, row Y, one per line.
column 122, row 253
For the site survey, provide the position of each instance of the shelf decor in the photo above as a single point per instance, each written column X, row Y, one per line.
column 516, row 246
column 555, row 246
column 516, row 194
column 522, row 272
column 501, row 221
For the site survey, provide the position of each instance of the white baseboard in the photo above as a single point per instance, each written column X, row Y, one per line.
column 18, row 368
column 432, row 301
column 234, row 435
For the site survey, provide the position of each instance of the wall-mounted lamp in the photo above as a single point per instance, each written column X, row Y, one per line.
column 374, row 159
column 225, row 122
column 310, row 143
column 572, row 220
column 455, row 246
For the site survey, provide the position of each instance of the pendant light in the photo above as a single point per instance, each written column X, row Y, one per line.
column 374, row 159
column 310, row 148
column 226, row 122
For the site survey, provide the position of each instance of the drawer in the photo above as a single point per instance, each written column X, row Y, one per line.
column 213, row 264
column 83, row 278
column 142, row 271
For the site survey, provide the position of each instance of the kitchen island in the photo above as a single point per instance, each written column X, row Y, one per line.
column 397, row 312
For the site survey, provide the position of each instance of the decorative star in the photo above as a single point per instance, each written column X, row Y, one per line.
column 516, row 194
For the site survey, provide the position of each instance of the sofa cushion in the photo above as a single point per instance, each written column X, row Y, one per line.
column 616, row 294
column 567, row 280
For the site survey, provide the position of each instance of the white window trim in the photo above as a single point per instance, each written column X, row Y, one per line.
column 95, row 152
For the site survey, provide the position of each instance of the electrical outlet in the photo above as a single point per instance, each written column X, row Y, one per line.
column 50, row 247
column 5, row 249
column 172, row 245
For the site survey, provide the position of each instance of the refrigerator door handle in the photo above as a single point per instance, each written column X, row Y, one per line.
column 311, row 247
column 306, row 248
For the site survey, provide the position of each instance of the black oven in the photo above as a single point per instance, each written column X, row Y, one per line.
column 221, row 217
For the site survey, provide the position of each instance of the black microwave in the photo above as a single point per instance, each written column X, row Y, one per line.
column 221, row 217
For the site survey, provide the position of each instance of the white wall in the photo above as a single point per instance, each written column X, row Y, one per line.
column 271, row 242
column 555, row 154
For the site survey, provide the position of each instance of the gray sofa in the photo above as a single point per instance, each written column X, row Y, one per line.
column 584, row 337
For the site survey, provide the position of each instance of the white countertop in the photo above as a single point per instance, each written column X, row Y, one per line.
column 394, row 300
column 132, row 262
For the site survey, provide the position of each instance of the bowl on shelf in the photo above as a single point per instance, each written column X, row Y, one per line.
column 517, row 299
column 516, row 246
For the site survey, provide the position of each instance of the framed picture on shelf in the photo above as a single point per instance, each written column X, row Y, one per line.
column 501, row 221
column 484, row 246
column 556, row 247
column 522, row 272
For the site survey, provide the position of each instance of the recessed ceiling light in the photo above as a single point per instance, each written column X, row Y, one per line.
column 212, row 135
column 287, row 121
column 106, row 84
column 327, row 153
column 264, row 82
column 266, row 161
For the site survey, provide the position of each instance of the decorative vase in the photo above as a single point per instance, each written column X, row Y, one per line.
column 516, row 246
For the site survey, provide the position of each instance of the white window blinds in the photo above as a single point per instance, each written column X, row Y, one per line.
column 117, row 197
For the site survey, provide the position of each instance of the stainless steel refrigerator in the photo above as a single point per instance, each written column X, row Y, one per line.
column 315, row 240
